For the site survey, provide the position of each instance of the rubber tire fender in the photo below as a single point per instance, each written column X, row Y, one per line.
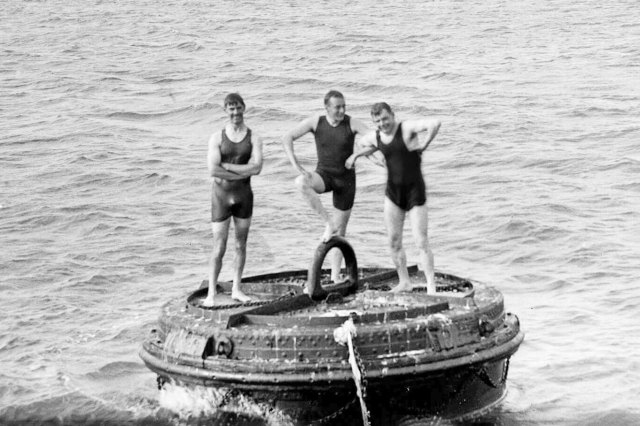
column 314, row 287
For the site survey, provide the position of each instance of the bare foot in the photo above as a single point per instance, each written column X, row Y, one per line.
column 340, row 278
column 402, row 287
column 239, row 296
column 429, row 288
column 208, row 302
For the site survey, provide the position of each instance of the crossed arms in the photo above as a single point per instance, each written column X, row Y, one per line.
column 228, row 171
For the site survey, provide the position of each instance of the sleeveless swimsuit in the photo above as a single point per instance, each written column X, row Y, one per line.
column 405, row 185
column 333, row 146
column 232, row 197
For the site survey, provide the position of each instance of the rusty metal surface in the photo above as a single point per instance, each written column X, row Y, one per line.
column 293, row 334
column 438, row 354
column 447, row 393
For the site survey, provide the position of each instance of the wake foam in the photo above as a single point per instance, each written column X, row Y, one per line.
column 198, row 401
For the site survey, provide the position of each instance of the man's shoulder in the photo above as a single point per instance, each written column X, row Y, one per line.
column 358, row 126
column 216, row 136
column 350, row 121
column 408, row 128
column 371, row 137
column 256, row 137
column 314, row 120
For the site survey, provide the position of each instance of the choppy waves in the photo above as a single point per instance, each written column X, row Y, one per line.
column 533, row 181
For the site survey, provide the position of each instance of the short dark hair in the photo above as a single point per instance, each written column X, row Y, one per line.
column 233, row 99
column 332, row 94
column 378, row 107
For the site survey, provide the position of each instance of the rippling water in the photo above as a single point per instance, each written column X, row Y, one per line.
column 534, row 180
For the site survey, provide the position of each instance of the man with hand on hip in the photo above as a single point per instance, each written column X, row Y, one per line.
column 406, row 190
column 334, row 137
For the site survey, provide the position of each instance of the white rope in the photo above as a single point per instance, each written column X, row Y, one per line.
column 344, row 335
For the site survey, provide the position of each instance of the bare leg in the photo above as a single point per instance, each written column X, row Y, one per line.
column 394, row 220
column 419, row 224
column 310, row 185
column 242, row 232
column 340, row 220
column 220, row 233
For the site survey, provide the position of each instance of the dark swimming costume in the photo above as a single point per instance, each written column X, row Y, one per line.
column 333, row 146
column 232, row 197
column 405, row 185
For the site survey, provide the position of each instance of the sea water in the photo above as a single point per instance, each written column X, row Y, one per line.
column 106, row 107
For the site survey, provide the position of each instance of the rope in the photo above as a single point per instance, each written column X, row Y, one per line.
column 344, row 335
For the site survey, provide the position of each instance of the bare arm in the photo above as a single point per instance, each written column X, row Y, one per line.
column 411, row 128
column 306, row 126
column 214, row 159
column 377, row 158
column 366, row 147
column 359, row 128
column 254, row 166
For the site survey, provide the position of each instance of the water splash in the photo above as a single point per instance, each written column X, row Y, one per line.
column 207, row 402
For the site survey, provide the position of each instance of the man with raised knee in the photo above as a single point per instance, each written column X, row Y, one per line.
column 334, row 137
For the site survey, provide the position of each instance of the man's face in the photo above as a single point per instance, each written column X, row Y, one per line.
column 336, row 109
column 384, row 121
column 235, row 112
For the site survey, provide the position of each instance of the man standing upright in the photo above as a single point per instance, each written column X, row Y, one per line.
column 406, row 191
column 235, row 154
column 334, row 136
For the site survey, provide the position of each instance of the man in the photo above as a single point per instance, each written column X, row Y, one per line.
column 235, row 154
column 406, row 191
column 334, row 136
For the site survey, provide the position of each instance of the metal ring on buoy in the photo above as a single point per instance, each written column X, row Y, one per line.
column 224, row 346
column 314, row 287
